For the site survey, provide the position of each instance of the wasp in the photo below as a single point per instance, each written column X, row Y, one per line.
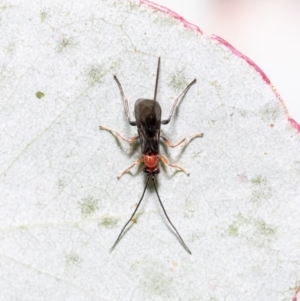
column 148, row 121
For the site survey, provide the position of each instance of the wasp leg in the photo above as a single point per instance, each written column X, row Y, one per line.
column 139, row 160
column 115, row 133
column 125, row 102
column 166, row 161
column 190, row 137
column 176, row 101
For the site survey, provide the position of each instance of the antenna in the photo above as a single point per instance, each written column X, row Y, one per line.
column 165, row 212
column 137, row 207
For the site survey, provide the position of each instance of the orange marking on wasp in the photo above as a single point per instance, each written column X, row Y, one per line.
column 151, row 161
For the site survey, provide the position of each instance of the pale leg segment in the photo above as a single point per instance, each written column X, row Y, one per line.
column 185, row 139
column 166, row 161
column 115, row 133
column 139, row 160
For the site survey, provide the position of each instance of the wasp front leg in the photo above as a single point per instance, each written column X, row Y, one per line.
column 138, row 161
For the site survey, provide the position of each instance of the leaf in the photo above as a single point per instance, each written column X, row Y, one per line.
column 62, row 206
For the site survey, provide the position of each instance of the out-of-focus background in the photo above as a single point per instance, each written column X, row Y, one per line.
column 267, row 31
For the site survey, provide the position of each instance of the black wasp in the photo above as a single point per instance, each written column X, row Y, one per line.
column 147, row 114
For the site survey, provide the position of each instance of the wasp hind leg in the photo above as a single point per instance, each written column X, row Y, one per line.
column 133, row 123
column 177, row 100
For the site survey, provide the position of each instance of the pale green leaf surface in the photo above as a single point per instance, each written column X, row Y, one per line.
column 62, row 206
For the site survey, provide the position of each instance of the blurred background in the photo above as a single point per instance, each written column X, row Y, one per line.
column 267, row 31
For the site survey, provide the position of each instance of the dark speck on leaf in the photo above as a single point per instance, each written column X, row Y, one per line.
column 39, row 94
